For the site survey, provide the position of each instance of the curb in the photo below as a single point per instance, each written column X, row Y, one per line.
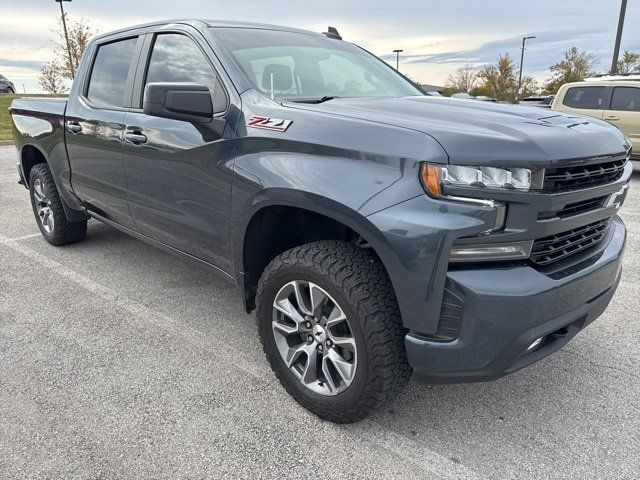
column 4, row 143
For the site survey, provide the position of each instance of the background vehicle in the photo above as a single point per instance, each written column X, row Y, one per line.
column 543, row 101
column 463, row 95
column 375, row 230
column 613, row 99
column 6, row 86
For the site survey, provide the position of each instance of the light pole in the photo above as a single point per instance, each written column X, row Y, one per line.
column 524, row 40
column 616, row 50
column 397, row 52
column 66, row 36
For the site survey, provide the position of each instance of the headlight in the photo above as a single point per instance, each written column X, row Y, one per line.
column 435, row 176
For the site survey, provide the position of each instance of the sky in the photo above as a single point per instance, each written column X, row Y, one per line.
column 437, row 36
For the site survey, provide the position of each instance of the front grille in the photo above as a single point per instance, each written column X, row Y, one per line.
column 575, row 208
column 581, row 176
column 556, row 247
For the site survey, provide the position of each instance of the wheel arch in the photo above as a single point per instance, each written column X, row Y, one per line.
column 257, row 239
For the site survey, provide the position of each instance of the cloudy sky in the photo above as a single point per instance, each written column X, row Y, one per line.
column 437, row 36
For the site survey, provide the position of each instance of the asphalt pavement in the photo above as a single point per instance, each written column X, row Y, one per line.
column 121, row 361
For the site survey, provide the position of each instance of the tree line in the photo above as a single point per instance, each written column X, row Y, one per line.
column 500, row 80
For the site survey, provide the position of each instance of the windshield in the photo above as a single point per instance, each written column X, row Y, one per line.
column 305, row 67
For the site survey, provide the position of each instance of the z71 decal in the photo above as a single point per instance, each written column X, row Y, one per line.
column 268, row 123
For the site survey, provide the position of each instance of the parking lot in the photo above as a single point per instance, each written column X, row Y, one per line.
column 121, row 361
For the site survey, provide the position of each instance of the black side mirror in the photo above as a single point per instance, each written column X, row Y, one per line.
column 190, row 102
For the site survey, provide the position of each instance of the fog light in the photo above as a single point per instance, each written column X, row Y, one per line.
column 535, row 344
column 489, row 252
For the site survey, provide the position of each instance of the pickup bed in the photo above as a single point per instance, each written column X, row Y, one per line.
column 375, row 231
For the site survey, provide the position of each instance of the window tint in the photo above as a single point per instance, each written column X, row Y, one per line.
column 585, row 97
column 176, row 58
column 626, row 99
column 109, row 73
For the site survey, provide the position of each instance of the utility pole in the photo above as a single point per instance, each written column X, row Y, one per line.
column 524, row 41
column 66, row 36
column 397, row 52
column 616, row 49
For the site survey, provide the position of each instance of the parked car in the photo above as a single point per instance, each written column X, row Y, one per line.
column 375, row 230
column 485, row 98
column 6, row 86
column 463, row 95
column 613, row 99
column 542, row 101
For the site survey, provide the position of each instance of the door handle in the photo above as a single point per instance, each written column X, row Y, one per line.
column 74, row 127
column 135, row 137
column 611, row 118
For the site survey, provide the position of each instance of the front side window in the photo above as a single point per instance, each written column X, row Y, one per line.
column 591, row 98
column 307, row 67
column 176, row 58
column 109, row 73
column 626, row 99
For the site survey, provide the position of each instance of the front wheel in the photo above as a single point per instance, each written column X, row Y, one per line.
column 330, row 327
column 48, row 209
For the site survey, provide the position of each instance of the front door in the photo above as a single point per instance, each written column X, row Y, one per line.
column 624, row 113
column 94, row 129
column 179, row 173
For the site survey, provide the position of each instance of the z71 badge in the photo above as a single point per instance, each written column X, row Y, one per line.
column 268, row 123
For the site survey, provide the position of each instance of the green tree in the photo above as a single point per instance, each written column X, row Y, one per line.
column 499, row 80
column 629, row 63
column 574, row 67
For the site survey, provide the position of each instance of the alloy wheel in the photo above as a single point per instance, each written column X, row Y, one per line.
column 43, row 205
column 314, row 338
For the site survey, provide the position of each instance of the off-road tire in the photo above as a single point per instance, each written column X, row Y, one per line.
column 64, row 232
column 357, row 280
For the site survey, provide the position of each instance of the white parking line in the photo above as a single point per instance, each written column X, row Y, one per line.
column 17, row 239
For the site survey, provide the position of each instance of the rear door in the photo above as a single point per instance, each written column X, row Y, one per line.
column 94, row 125
column 179, row 173
column 624, row 112
column 584, row 99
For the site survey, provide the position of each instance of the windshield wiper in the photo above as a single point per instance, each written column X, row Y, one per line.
column 326, row 98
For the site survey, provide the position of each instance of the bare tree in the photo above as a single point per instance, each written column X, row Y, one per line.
column 50, row 80
column 65, row 60
column 462, row 80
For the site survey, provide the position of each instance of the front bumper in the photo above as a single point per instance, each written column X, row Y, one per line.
column 506, row 308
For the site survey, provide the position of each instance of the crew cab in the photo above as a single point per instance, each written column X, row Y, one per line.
column 377, row 232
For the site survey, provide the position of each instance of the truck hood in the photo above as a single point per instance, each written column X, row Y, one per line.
column 474, row 132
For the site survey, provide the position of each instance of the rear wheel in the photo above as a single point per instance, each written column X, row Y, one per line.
column 47, row 207
column 331, row 329
column 10, row 91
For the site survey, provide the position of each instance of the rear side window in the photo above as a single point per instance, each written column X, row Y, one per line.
column 176, row 58
column 109, row 73
column 585, row 97
column 626, row 99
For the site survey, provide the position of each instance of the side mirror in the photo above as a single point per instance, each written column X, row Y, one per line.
column 190, row 102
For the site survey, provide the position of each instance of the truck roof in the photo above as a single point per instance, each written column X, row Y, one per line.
column 202, row 23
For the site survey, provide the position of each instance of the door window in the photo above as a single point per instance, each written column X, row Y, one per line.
column 626, row 99
column 590, row 98
column 176, row 58
column 109, row 73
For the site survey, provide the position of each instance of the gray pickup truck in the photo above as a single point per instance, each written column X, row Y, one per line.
column 376, row 231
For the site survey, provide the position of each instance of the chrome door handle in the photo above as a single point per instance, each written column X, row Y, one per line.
column 74, row 127
column 135, row 137
column 611, row 118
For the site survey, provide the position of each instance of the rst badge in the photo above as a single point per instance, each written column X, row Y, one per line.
column 268, row 123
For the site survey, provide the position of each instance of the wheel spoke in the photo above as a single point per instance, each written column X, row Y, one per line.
column 294, row 353
column 335, row 317
column 327, row 375
column 318, row 299
column 309, row 374
column 344, row 368
column 301, row 298
column 38, row 192
column 285, row 306
column 345, row 342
